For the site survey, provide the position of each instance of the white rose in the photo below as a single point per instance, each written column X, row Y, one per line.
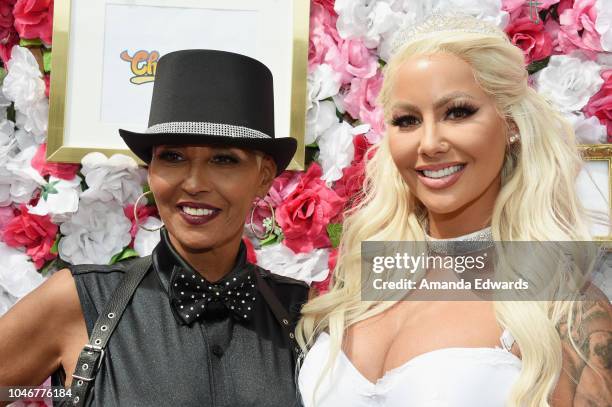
column 18, row 180
column 25, row 139
column 319, row 117
column 60, row 197
column 96, row 232
column 145, row 241
column 117, row 178
column 368, row 20
column 308, row 267
column 323, row 82
column 588, row 131
column 337, row 149
column 35, row 120
column 7, row 132
column 569, row 81
column 603, row 24
column 18, row 275
column 23, row 84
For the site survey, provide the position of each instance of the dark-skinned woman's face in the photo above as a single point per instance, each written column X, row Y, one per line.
column 204, row 193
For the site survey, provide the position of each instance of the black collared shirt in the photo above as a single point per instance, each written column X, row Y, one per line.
column 154, row 359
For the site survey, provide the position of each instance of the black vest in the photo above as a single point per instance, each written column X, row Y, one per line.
column 153, row 360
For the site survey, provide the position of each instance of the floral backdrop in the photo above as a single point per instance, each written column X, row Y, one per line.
column 52, row 214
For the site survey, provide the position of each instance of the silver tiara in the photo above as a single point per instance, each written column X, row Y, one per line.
column 440, row 21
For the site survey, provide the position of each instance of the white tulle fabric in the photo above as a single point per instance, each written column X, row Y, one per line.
column 448, row 377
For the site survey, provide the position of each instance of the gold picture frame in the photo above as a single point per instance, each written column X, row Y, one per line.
column 600, row 152
column 59, row 151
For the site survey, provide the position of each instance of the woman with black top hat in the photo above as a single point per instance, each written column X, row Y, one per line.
column 194, row 324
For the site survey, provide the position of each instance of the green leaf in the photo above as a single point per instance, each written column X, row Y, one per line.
column 45, row 270
column 36, row 42
column 150, row 197
column 124, row 254
column 334, row 231
column 55, row 248
column 2, row 74
column 535, row 66
column 47, row 60
column 11, row 113
column 49, row 189
column 271, row 237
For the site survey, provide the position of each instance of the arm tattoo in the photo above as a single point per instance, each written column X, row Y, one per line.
column 592, row 333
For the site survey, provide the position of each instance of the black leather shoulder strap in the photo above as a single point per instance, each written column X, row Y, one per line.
column 279, row 311
column 92, row 354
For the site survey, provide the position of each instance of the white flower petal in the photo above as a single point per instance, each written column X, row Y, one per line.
column 336, row 150
column 603, row 24
column 145, row 241
column 281, row 260
column 65, row 201
column 117, row 178
column 319, row 118
column 6, row 301
column 96, row 232
column 588, row 130
column 18, row 275
column 569, row 81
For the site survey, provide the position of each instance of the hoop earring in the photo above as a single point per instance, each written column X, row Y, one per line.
column 273, row 220
column 136, row 215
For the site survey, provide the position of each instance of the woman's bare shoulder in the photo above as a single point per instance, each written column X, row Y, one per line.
column 37, row 328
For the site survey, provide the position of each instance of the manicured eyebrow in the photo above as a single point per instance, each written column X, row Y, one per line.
column 440, row 102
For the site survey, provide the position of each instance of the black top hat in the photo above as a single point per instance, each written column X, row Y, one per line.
column 212, row 97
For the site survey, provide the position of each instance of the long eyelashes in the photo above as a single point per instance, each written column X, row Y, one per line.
column 457, row 111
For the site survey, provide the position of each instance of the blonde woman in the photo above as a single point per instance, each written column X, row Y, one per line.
column 471, row 153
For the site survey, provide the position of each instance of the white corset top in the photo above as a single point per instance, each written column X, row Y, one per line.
column 447, row 377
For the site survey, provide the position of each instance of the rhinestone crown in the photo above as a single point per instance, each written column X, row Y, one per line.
column 439, row 21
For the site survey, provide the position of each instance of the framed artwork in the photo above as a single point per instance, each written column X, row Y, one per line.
column 594, row 186
column 103, row 68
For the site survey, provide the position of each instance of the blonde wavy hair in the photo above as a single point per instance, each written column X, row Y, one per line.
column 537, row 202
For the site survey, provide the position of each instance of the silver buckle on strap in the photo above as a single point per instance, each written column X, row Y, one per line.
column 92, row 348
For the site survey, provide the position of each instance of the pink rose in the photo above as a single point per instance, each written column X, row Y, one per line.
column 577, row 29
column 7, row 213
column 350, row 58
column 143, row 212
column 353, row 176
column 360, row 103
column 327, row 4
column 306, row 212
column 282, row 186
column 354, row 60
column 324, row 37
column 535, row 42
column 59, row 170
column 34, row 19
column 36, row 233
column 323, row 286
column 8, row 35
column 600, row 104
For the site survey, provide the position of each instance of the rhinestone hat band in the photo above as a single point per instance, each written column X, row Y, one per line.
column 212, row 129
column 437, row 22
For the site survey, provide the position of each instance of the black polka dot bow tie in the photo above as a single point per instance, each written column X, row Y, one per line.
column 195, row 298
